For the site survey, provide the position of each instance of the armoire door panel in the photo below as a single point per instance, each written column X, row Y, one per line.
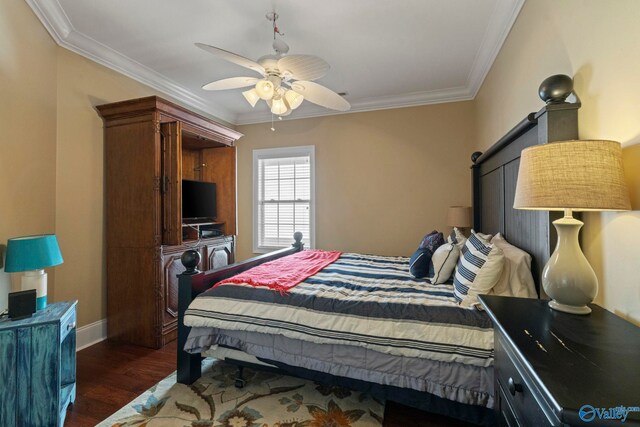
column 171, row 183
column 132, row 164
column 171, row 267
column 219, row 255
column 221, row 169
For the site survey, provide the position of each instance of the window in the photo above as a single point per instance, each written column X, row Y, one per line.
column 283, row 197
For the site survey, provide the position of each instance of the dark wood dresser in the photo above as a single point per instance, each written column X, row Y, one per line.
column 557, row 369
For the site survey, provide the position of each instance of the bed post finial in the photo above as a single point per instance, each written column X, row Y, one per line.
column 297, row 236
column 556, row 89
column 475, row 156
column 190, row 259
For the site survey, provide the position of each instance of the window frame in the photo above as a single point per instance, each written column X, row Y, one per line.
column 277, row 153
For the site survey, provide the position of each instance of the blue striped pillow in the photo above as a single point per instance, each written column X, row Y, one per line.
column 474, row 256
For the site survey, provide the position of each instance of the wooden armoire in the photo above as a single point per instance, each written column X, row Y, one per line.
column 151, row 145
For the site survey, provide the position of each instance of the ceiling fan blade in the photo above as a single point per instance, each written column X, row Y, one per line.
column 232, row 57
column 303, row 67
column 231, row 83
column 318, row 94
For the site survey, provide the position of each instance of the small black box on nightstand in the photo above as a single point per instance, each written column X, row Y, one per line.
column 22, row 304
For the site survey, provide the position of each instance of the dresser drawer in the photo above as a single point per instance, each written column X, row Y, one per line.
column 505, row 416
column 67, row 324
column 518, row 389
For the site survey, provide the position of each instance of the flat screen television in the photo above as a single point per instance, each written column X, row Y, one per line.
column 198, row 200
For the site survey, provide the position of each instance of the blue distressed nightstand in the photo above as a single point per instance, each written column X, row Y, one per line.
column 38, row 367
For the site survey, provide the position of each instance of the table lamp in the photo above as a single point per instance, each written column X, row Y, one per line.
column 571, row 176
column 459, row 216
column 31, row 255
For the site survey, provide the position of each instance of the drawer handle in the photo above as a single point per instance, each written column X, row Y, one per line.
column 514, row 387
column 71, row 325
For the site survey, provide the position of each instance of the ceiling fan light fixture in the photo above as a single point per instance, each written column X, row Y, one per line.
column 286, row 113
column 293, row 98
column 265, row 89
column 251, row 96
column 278, row 106
column 286, row 80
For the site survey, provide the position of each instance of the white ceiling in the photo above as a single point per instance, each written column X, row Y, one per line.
column 383, row 53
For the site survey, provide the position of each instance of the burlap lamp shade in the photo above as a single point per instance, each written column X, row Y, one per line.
column 577, row 175
column 459, row 216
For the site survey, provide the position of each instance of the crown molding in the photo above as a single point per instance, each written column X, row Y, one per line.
column 53, row 17
column 502, row 20
column 59, row 26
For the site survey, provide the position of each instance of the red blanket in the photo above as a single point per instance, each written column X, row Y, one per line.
column 285, row 273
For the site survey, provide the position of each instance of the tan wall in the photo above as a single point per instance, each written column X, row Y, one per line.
column 383, row 179
column 596, row 42
column 28, row 123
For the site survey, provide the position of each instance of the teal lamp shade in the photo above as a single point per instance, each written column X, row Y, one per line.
column 32, row 253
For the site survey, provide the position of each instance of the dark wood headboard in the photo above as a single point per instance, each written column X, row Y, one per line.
column 495, row 173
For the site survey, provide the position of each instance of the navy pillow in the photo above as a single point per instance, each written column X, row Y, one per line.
column 432, row 241
column 427, row 238
column 419, row 263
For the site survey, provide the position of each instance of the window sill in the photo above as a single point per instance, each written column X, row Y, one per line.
column 264, row 250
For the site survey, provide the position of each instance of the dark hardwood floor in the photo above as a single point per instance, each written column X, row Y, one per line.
column 111, row 375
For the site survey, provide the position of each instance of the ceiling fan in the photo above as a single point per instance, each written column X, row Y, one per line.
column 287, row 80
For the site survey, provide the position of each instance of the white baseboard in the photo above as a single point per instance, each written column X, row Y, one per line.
column 91, row 334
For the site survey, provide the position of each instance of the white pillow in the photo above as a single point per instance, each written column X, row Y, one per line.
column 457, row 238
column 443, row 262
column 516, row 279
column 479, row 268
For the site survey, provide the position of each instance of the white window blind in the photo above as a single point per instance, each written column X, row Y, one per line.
column 283, row 197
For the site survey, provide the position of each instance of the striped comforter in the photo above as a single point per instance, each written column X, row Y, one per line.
column 361, row 300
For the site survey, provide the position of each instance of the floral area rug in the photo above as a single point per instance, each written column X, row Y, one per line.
column 267, row 400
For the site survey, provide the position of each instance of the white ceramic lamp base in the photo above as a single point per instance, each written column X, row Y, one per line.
column 568, row 277
column 36, row 279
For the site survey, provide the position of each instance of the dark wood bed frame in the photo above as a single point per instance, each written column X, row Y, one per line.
column 494, row 175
